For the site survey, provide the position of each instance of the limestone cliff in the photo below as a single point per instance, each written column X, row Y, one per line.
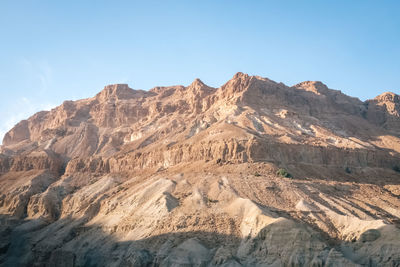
column 187, row 176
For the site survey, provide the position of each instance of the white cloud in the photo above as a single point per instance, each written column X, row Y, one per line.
column 39, row 73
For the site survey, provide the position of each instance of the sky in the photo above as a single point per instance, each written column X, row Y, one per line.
column 51, row 51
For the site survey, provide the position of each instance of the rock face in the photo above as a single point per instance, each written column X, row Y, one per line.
column 187, row 176
column 384, row 110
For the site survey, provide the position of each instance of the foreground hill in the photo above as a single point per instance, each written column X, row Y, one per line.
column 187, row 176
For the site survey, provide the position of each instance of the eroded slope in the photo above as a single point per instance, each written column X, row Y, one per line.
column 186, row 176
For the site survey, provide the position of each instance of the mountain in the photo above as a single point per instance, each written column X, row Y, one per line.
column 253, row 173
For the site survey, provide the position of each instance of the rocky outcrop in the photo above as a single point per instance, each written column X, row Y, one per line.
column 384, row 110
column 20, row 187
column 253, row 173
column 5, row 163
column 19, row 133
column 233, row 152
column 37, row 160
column 94, row 165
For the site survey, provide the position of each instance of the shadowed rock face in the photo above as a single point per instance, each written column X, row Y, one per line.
column 384, row 110
column 186, row 176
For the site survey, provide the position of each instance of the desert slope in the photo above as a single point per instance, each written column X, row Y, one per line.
column 187, row 176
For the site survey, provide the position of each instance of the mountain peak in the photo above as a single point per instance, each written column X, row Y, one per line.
column 388, row 97
column 197, row 83
column 240, row 75
column 119, row 91
column 316, row 87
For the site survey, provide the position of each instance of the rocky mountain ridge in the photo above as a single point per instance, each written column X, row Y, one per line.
column 186, row 176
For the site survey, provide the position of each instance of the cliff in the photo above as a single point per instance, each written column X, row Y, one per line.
column 187, row 176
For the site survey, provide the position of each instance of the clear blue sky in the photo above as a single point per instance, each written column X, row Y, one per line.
column 52, row 51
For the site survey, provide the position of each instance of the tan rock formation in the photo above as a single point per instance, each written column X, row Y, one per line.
column 187, row 176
